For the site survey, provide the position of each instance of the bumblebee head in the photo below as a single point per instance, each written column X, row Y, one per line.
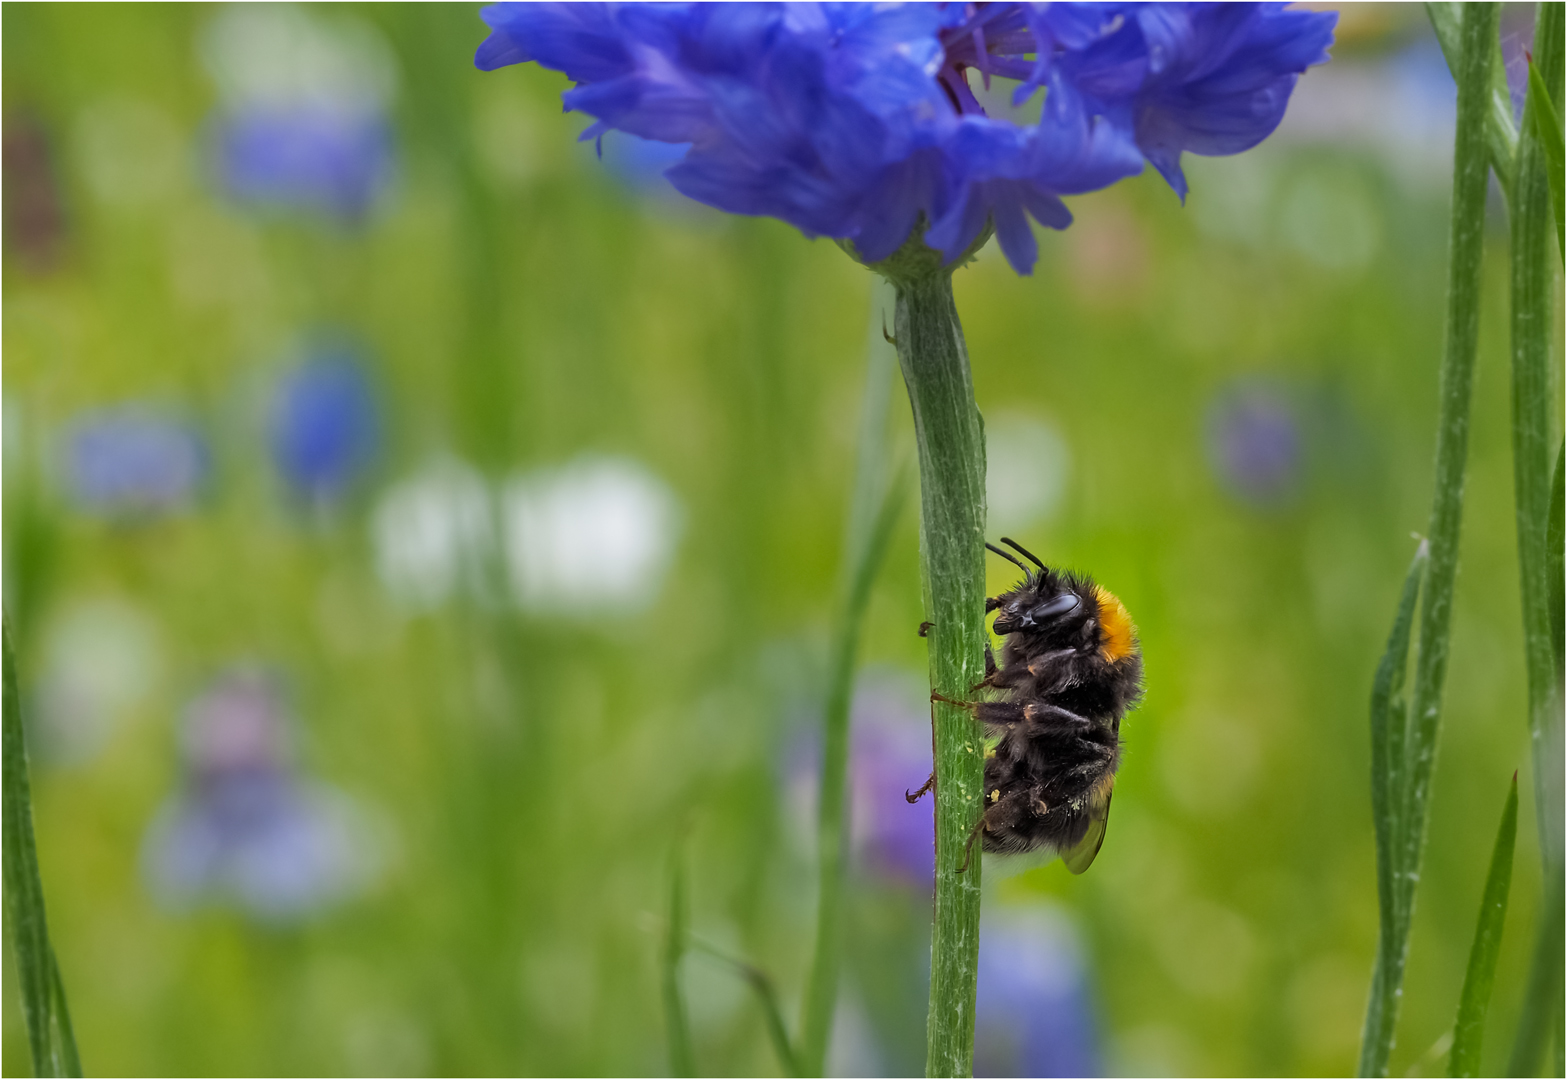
column 1063, row 610
column 1049, row 607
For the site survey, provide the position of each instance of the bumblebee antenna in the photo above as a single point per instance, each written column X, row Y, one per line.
column 1008, row 557
column 1029, row 555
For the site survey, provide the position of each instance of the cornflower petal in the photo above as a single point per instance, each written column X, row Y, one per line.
column 858, row 121
column 1220, row 77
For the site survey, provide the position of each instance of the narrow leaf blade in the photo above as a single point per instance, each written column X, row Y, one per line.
column 1542, row 993
column 1555, row 538
column 1548, row 128
column 767, row 998
column 874, row 505
column 1388, row 719
column 49, row 1030
column 1475, row 998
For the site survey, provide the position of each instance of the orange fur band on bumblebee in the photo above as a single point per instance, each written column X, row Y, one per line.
column 1116, row 626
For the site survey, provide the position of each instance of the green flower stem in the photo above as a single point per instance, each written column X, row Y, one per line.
column 951, row 442
column 1466, row 247
column 1475, row 998
column 49, row 1031
column 873, row 509
column 1501, row 135
column 1471, row 157
column 682, row 1061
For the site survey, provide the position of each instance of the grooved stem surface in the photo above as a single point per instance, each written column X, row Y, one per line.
column 951, row 441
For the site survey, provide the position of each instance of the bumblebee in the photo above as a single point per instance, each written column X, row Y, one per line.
column 1070, row 669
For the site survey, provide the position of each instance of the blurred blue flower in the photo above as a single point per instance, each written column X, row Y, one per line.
column 133, row 461
column 246, row 830
column 325, row 428
column 889, row 754
column 304, row 157
column 302, row 116
column 1033, row 1013
column 1255, row 442
column 855, row 120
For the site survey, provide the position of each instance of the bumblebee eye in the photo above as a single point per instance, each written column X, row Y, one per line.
column 1064, row 604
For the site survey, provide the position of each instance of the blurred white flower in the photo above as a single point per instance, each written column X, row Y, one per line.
column 433, row 533
column 283, row 56
column 101, row 659
column 302, row 115
column 1026, row 462
column 594, row 531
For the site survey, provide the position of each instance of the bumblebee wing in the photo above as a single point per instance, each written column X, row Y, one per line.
column 1080, row 856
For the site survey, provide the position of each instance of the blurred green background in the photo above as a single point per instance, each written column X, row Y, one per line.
column 1224, row 412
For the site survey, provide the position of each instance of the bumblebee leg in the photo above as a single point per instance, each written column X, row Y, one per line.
column 1000, row 713
column 991, row 670
column 992, row 603
column 1038, row 712
column 925, row 628
column 937, row 695
column 928, row 785
column 1037, row 665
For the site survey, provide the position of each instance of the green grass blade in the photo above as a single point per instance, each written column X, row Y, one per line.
column 1547, row 124
column 1555, row 540
column 1475, row 997
column 874, row 506
column 42, row 990
column 1534, row 295
column 767, row 998
column 1542, row 996
column 1501, row 134
column 1389, row 717
column 682, row 1061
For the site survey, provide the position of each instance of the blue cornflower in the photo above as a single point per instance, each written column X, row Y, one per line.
column 857, row 121
column 325, row 428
